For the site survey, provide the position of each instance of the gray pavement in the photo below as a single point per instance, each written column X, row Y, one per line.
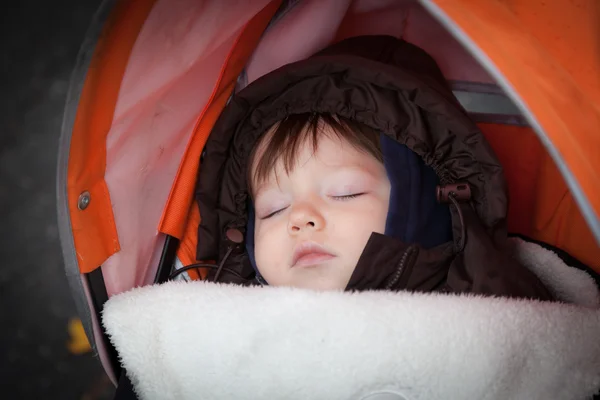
column 39, row 43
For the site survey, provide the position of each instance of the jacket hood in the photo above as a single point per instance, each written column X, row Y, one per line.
column 385, row 83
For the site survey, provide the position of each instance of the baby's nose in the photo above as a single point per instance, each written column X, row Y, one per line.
column 305, row 218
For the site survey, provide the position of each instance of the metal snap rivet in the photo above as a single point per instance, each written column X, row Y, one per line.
column 84, row 200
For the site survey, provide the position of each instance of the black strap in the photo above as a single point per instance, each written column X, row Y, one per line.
column 167, row 259
column 125, row 389
column 99, row 297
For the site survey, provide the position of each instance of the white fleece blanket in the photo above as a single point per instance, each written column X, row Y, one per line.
column 191, row 340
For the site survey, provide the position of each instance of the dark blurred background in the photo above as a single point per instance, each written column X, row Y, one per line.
column 39, row 44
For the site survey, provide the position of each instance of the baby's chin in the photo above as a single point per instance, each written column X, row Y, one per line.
column 319, row 277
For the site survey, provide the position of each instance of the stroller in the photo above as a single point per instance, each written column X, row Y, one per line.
column 152, row 79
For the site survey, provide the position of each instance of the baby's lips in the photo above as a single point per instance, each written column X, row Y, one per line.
column 309, row 248
column 312, row 259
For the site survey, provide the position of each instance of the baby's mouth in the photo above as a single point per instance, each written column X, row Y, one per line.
column 309, row 254
column 312, row 259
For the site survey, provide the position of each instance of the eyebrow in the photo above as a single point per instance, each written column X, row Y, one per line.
column 258, row 196
column 256, row 189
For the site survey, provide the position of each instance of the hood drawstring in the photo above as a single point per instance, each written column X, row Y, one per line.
column 455, row 193
column 235, row 238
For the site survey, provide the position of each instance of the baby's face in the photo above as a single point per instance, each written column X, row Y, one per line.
column 313, row 224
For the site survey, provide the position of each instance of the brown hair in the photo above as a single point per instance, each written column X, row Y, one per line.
column 285, row 137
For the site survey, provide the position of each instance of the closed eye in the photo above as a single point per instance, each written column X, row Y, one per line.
column 347, row 197
column 274, row 213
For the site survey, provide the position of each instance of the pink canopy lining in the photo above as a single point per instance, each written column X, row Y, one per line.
column 175, row 64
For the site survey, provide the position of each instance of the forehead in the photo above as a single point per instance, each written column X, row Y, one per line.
column 261, row 146
column 332, row 151
column 327, row 141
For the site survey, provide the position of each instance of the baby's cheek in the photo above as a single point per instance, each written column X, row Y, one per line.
column 268, row 251
column 259, row 247
column 352, row 232
column 363, row 225
column 376, row 215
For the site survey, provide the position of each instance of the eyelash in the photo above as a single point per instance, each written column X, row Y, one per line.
column 274, row 213
column 347, row 197
column 338, row 198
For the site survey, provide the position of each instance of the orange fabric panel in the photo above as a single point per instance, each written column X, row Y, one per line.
column 94, row 230
column 558, row 219
column 173, row 220
column 534, row 68
column 569, row 32
column 186, row 251
column 520, row 154
column 187, row 246
column 540, row 204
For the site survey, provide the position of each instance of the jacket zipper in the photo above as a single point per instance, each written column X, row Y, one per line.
column 407, row 260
